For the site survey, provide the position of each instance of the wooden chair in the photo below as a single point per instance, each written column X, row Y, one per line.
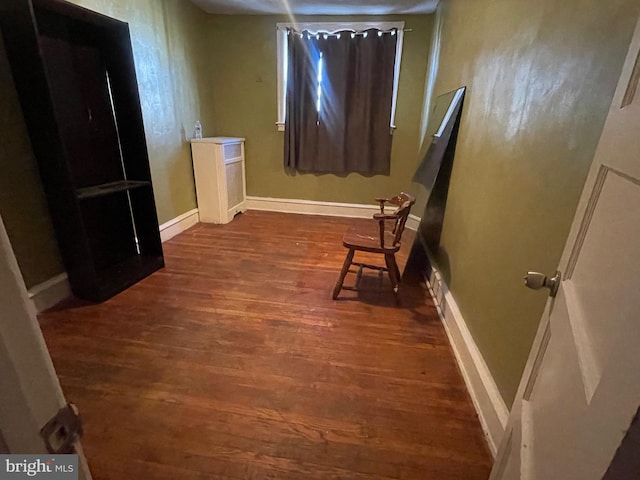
column 380, row 235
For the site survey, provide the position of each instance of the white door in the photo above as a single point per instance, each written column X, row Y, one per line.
column 30, row 393
column 581, row 386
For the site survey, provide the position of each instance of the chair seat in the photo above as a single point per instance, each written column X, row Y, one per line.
column 365, row 235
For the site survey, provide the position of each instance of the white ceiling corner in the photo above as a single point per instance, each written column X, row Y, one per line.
column 316, row 7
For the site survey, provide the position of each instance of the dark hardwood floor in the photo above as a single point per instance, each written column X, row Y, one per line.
column 233, row 362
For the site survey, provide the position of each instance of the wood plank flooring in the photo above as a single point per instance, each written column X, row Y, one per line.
column 233, row 362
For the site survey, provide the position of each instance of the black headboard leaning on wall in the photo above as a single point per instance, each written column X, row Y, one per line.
column 434, row 171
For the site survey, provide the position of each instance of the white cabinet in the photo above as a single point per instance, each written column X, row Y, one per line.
column 218, row 167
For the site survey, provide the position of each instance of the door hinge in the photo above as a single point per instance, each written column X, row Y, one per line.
column 63, row 430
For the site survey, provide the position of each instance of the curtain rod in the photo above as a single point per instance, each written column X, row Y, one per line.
column 404, row 29
column 353, row 26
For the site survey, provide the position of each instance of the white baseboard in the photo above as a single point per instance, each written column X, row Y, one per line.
column 52, row 291
column 312, row 207
column 413, row 222
column 492, row 410
column 48, row 293
column 177, row 225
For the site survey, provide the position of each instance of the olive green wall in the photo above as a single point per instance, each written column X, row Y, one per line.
column 243, row 79
column 540, row 78
column 171, row 61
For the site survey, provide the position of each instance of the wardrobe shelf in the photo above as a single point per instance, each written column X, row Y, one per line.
column 109, row 188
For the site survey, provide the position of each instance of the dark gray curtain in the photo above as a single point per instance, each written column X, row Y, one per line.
column 350, row 132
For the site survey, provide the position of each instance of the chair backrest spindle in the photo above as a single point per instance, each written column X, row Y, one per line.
column 404, row 202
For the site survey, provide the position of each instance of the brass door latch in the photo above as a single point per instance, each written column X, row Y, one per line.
column 537, row 280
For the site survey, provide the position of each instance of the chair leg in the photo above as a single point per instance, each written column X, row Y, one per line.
column 343, row 273
column 392, row 267
column 398, row 274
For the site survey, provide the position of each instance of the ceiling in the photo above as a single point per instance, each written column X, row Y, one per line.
column 317, row 7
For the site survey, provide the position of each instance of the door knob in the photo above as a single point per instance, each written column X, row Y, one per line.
column 537, row 280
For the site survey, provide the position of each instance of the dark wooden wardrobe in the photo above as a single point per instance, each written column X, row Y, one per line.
column 74, row 73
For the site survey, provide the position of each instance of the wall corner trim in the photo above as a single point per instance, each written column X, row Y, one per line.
column 48, row 293
column 492, row 411
column 177, row 225
column 312, row 207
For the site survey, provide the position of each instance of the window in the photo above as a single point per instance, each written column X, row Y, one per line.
column 330, row 27
column 339, row 103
